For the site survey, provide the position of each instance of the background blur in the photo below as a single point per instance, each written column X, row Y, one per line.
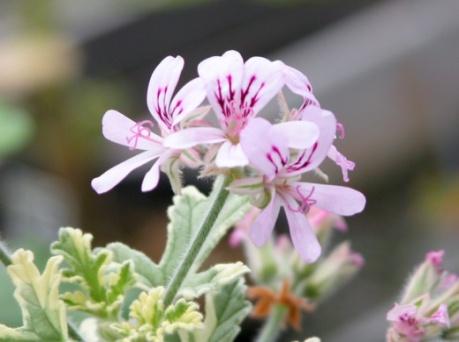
column 388, row 69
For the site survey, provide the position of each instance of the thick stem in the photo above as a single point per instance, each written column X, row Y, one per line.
column 273, row 326
column 5, row 258
column 218, row 198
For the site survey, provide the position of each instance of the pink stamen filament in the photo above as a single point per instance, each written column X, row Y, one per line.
column 141, row 130
column 305, row 201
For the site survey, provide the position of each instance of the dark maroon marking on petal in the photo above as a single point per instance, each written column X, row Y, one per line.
column 219, row 97
column 255, row 97
column 232, row 92
column 297, row 166
column 178, row 105
column 278, row 152
column 245, row 91
column 270, row 158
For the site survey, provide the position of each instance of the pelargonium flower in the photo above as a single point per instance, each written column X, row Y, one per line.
column 310, row 110
column 411, row 324
column 167, row 112
column 237, row 91
column 277, row 155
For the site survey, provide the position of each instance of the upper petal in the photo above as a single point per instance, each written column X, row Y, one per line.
column 340, row 200
column 194, row 136
column 262, row 80
column 116, row 174
column 161, row 87
column 298, row 83
column 265, row 149
column 298, row 134
column 312, row 157
column 187, row 99
column 120, row 129
column 222, row 76
column 302, row 234
column 231, row 155
column 261, row 229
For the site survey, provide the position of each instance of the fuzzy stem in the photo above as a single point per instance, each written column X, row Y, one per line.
column 4, row 254
column 218, row 198
column 273, row 325
column 5, row 258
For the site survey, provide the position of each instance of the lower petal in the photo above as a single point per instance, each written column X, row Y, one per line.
column 194, row 136
column 109, row 179
column 230, row 155
column 261, row 229
column 151, row 179
column 303, row 237
column 340, row 200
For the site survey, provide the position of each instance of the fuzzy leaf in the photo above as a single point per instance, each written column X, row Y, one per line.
column 211, row 279
column 150, row 321
column 226, row 308
column 102, row 284
column 43, row 313
column 185, row 217
column 147, row 272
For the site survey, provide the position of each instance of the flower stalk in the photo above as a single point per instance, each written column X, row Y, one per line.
column 216, row 205
column 273, row 325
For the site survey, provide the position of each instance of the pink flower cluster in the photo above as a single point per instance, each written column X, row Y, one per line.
column 428, row 309
column 272, row 157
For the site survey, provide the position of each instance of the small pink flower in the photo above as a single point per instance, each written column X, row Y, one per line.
column 441, row 317
column 271, row 156
column 436, row 259
column 406, row 321
column 237, row 91
column 166, row 111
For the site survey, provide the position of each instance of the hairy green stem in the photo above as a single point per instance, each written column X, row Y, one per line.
column 217, row 201
column 4, row 254
column 5, row 258
column 273, row 326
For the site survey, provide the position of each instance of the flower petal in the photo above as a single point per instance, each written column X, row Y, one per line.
column 187, row 99
column 120, row 129
column 116, row 174
column 298, row 83
column 303, row 237
column 261, row 229
column 262, row 80
column 298, row 134
column 222, row 76
column 311, row 158
column 264, row 147
column 151, row 179
column 230, row 155
column 161, row 87
column 194, row 136
column 340, row 200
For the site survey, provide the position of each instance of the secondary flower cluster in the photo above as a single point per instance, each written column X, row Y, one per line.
column 270, row 158
column 281, row 278
column 429, row 307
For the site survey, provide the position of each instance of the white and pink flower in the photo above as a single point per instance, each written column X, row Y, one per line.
column 237, row 91
column 167, row 112
column 281, row 153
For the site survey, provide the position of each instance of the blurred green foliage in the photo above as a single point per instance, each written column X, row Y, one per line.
column 15, row 130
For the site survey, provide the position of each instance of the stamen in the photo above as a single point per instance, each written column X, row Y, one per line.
column 305, row 201
column 141, row 130
column 340, row 130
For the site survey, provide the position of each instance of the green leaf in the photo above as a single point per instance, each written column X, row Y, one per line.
column 211, row 279
column 43, row 313
column 185, row 216
column 226, row 308
column 147, row 272
column 151, row 321
column 101, row 283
